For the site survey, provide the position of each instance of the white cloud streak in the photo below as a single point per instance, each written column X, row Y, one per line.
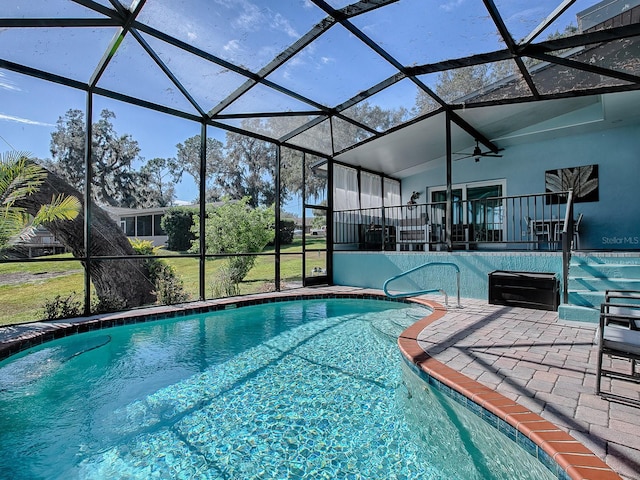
column 7, row 84
column 25, row 121
column 525, row 16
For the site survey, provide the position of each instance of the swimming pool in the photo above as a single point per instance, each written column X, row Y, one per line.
column 299, row 389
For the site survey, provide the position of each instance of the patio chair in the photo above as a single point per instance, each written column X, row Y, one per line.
column 619, row 340
column 538, row 231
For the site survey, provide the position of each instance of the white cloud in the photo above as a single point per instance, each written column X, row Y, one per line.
column 7, row 84
column 326, row 60
column 250, row 16
column 451, row 5
column 232, row 46
column 296, row 61
column 225, row 3
column 371, row 28
column 26, row 121
column 282, row 24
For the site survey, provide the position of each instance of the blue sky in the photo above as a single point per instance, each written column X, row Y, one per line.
column 332, row 69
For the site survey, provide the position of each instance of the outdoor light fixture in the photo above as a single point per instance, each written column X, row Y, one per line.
column 477, row 152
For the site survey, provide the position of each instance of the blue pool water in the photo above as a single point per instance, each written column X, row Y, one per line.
column 304, row 389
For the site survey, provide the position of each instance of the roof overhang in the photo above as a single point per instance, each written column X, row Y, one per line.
column 414, row 148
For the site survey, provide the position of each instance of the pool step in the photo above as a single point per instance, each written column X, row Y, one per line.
column 600, row 284
column 590, row 276
column 586, row 298
column 393, row 326
column 605, row 270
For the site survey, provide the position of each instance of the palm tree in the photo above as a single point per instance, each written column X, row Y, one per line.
column 21, row 177
column 124, row 282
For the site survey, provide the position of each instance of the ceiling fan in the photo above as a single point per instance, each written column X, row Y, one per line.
column 477, row 153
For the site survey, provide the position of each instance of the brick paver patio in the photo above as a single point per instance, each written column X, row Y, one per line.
column 544, row 364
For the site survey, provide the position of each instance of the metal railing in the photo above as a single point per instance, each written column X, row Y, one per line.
column 520, row 222
column 415, row 293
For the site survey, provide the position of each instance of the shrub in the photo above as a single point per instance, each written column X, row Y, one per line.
column 177, row 223
column 70, row 306
column 286, row 231
column 235, row 227
column 144, row 247
column 168, row 288
column 62, row 307
column 224, row 284
column 109, row 302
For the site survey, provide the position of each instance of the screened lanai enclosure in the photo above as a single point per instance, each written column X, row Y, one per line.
column 222, row 148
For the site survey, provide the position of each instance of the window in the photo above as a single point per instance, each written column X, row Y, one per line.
column 157, row 226
column 144, row 224
column 128, row 225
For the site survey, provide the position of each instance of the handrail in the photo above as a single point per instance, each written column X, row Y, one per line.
column 567, row 245
column 421, row 292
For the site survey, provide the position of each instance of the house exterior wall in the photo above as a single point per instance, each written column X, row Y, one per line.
column 611, row 223
column 372, row 269
column 157, row 240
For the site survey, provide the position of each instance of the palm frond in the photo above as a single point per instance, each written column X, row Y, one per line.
column 553, row 182
column 60, row 208
column 12, row 223
column 586, row 188
column 585, row 173
column 19, row 176
column 569, row 177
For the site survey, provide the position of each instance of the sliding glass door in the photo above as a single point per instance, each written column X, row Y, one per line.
column 478, row 213
column 486, row 212
column 439, row 208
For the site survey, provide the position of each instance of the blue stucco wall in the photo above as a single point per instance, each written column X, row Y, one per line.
column 611, row 223
column 372, row 269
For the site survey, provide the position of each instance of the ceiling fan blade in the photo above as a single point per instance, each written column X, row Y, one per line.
column 481, row 154
column 477, row 153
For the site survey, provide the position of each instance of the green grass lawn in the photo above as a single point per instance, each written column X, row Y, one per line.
column 37, row 267
column 26, row 287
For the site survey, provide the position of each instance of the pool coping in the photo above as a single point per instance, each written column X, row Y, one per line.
column 572, row 459
column 17, row 338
